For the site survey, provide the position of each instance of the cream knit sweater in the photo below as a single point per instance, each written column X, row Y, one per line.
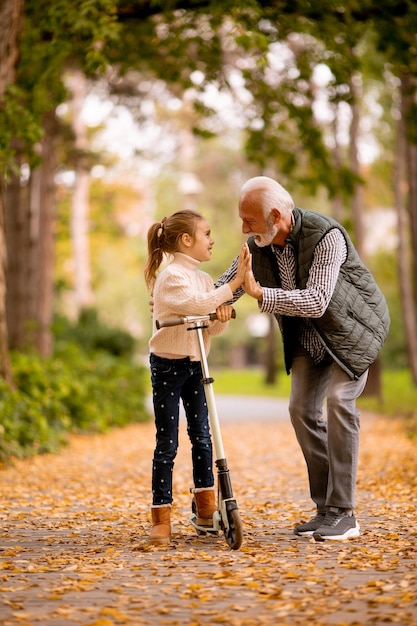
column 182, row 289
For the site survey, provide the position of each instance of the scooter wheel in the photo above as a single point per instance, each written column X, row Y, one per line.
column 234, row 535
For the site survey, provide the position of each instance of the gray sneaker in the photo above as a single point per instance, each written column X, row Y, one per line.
column 307, row 529
column 337, row 526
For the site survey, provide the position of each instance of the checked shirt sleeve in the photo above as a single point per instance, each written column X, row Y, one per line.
column 312, row 301
column 229, row 275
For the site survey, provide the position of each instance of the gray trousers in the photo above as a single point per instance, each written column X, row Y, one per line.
column 330, row 446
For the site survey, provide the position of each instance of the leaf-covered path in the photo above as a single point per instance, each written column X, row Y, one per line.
column 73, row 535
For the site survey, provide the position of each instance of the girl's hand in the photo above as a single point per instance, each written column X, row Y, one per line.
column 224, row 312
column 244, row 263
column 243, row 266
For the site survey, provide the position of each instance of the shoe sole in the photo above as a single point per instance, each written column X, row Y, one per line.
column 305, row 533
column 352, row 533
column 159, row 541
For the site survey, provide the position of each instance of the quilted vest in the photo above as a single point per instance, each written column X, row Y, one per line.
column 356, row 322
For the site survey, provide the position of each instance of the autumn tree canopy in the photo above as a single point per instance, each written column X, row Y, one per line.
column 274, row 47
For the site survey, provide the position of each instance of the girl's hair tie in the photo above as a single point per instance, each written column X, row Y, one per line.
column 161, row 228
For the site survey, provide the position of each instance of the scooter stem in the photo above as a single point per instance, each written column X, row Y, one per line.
column 211, row 403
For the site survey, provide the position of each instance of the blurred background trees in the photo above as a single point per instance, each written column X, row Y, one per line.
column 115, row 113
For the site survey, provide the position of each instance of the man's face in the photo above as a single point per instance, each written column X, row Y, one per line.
column 254, row 223
column 266, row 238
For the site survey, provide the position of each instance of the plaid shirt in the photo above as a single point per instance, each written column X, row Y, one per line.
column 310, row 302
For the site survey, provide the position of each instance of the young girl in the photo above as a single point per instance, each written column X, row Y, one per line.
column 182, row 289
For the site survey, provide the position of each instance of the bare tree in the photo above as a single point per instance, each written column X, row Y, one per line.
column 44, row 243
column 357, row 196
column 29, row 213
column 406, row 244
column 80, row 201
column 11, row 19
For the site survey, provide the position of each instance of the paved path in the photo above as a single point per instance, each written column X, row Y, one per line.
column 237, row 408
column 73, row 534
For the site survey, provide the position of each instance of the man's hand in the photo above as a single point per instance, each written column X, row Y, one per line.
column 252, row 287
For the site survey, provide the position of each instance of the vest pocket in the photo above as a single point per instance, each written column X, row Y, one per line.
column 360, row 321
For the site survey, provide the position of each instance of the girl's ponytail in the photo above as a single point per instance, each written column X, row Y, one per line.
column 164, row 238
column 155, row 253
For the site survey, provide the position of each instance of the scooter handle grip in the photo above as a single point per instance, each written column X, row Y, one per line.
column 173, row 321
column 177, row 321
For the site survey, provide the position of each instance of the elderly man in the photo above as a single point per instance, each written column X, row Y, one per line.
column 334, row 321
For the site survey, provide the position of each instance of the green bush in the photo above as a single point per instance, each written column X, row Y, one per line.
column 91, row 335
column 72, row 391
column 24, row 425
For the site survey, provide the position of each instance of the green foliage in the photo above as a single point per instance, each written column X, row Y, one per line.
column 90, row 334
column 24, row 428
column 17, row 126
column 55, row 35
column 65, row 32
column 89, row 385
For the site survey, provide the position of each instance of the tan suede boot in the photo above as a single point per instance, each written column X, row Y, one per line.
column 161, row 525
column 206, row 505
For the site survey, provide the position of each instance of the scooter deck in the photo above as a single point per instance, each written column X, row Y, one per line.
column 207, row 530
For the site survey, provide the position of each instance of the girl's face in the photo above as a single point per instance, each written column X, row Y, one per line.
column 201, row 244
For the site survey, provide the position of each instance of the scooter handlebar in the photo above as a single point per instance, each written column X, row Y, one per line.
column 177, row 321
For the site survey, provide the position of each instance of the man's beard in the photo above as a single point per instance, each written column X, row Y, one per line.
column 266, row 238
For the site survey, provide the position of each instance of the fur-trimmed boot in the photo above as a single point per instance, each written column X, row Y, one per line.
column 161, row 525
column 205, row 501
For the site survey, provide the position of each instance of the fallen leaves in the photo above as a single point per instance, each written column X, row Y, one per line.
column 73, row 537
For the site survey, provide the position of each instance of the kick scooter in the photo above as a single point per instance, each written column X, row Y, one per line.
column 227, row 517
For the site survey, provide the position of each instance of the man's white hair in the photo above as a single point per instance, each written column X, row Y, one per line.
column 272, row 195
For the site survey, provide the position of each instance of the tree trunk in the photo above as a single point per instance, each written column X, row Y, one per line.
column 5, row 369
column 409, row 102
column 84, row 297
column 270, row 353
column 373, row 385
column 44, row 211
column 337, row 200
column 357, row 198
column 411, row 160
column 11, row 20
column 406, row 256
column 30, row 213
column 18, row 278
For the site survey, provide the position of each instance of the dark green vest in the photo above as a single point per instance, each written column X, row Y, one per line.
column 356, row 322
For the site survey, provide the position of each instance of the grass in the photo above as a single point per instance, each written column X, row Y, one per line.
column 249, row 382
column 399, row 395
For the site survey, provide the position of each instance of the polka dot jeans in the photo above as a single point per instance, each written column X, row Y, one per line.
column 174, row 380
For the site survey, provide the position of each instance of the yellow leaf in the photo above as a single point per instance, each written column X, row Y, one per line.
column 294, row 575
column 117, row 615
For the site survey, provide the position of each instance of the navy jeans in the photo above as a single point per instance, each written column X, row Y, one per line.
column 174, row 380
